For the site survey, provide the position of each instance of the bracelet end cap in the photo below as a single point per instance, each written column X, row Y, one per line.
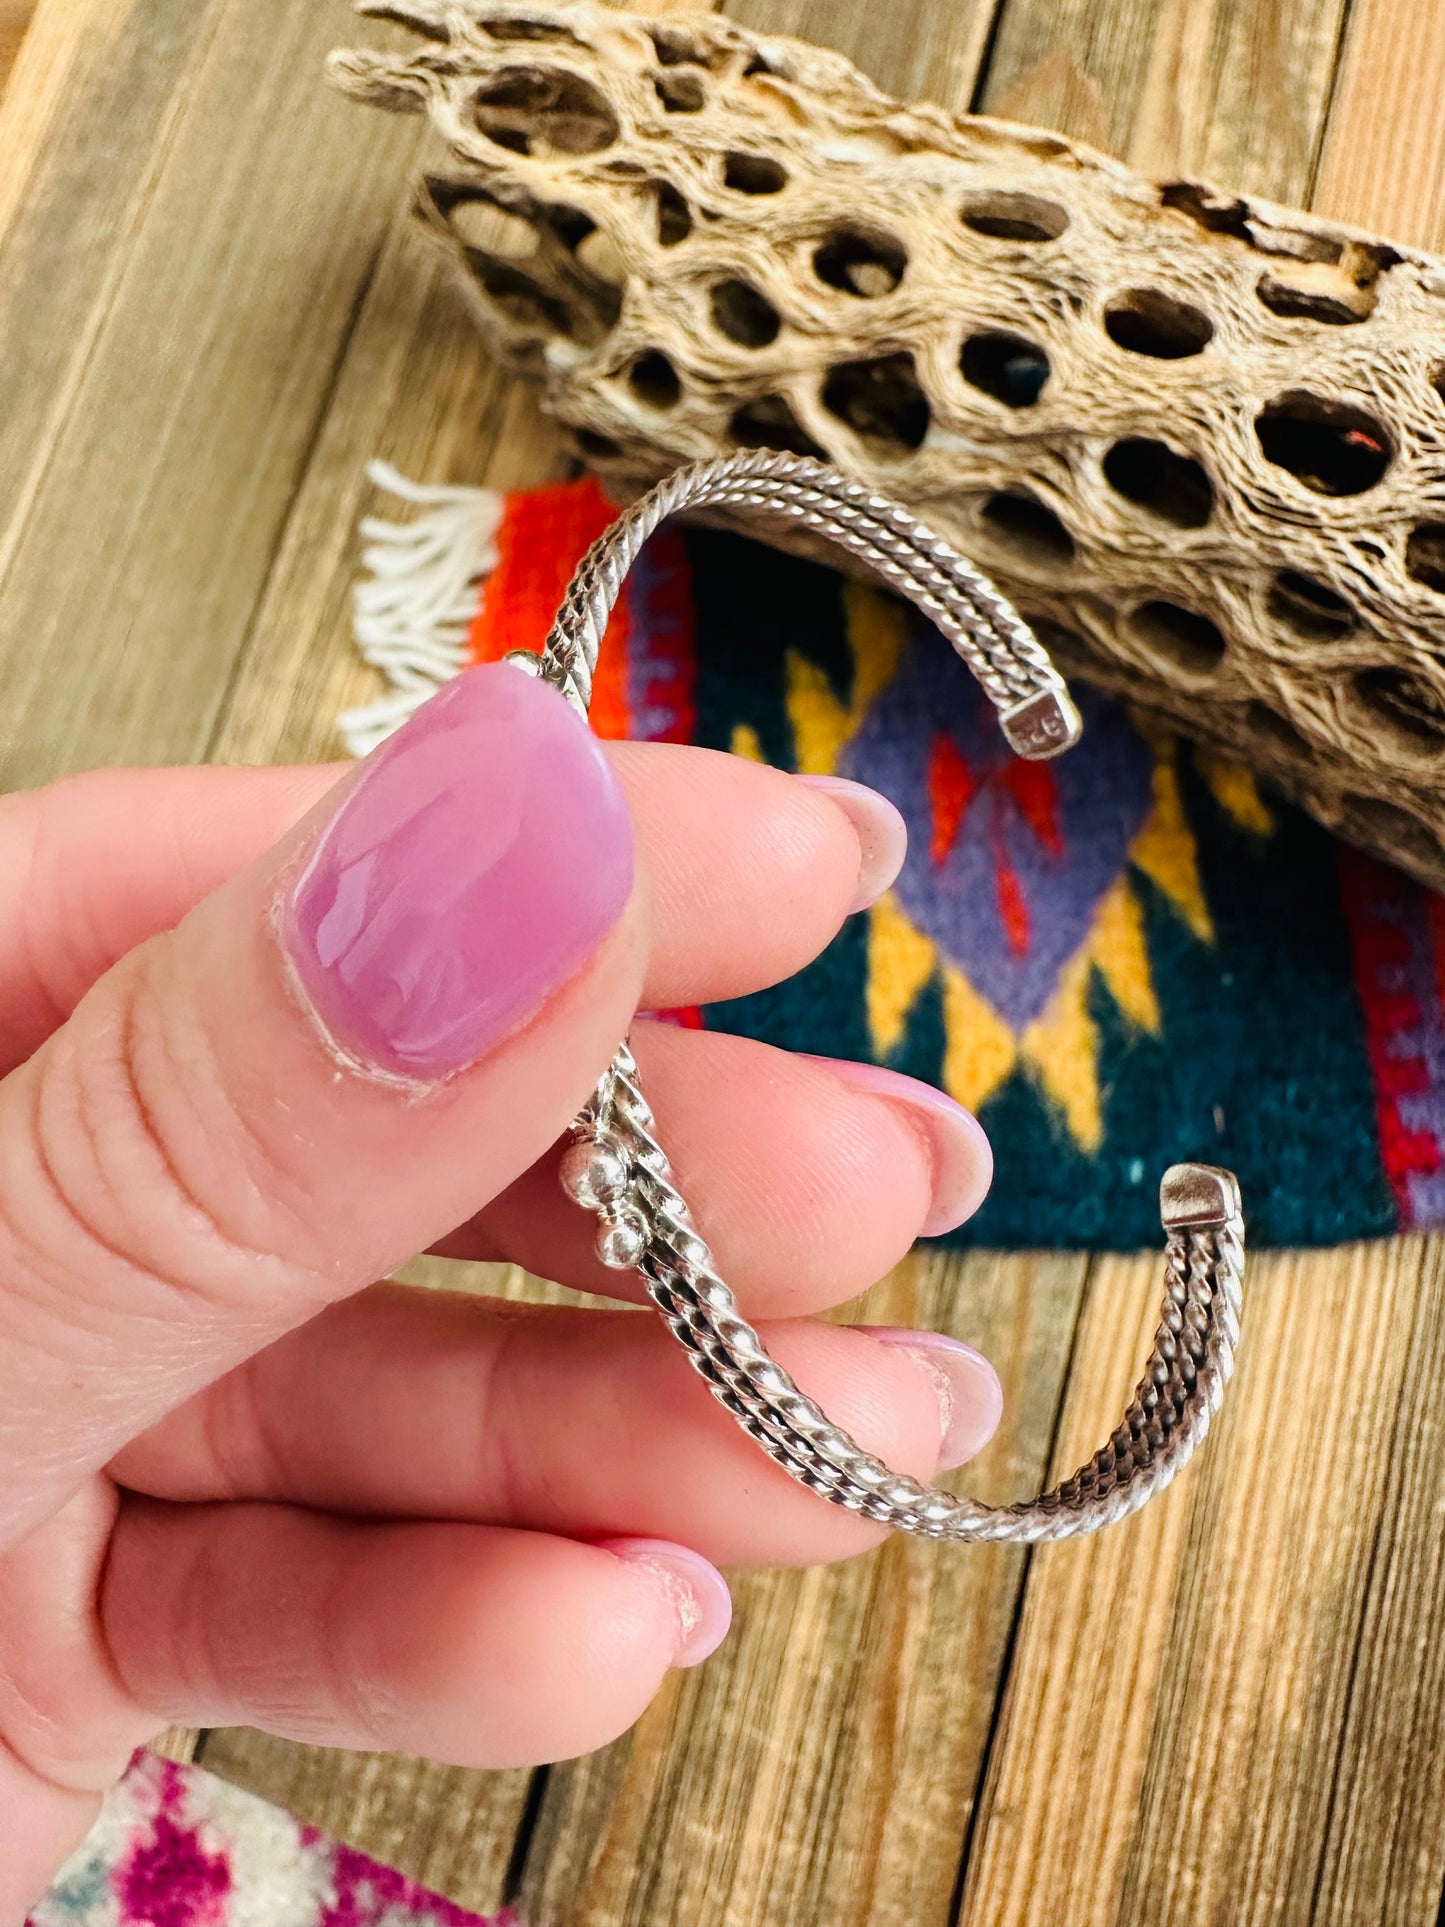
column 1198, row 1197
column 1042, row 725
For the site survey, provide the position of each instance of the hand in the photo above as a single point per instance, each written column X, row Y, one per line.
column 264, row 1035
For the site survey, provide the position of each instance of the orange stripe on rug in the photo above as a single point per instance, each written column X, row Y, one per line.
column 544, row 534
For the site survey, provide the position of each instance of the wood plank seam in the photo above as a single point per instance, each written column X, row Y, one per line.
column 527, row 1822
column 1342, row 1738
column 979, row 92
column 1347, row 15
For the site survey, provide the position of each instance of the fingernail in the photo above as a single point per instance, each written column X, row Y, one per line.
column 697, row 1590
column 961, row 1154
column 476, row 863
column 970, row 1398
column 882, row 834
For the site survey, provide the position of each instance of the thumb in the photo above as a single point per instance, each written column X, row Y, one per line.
column 331, row 1060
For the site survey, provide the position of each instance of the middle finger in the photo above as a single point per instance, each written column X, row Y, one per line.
column 809, row 1178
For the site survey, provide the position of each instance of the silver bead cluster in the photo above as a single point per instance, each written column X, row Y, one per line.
column 597, row 1174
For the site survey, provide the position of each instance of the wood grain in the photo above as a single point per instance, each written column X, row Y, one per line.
column 1258, row 1773
column 149, row 463
column 1383, row 163
column 1231, row 90
column 1199, row 1664
column 14, row 19
column 913, row 48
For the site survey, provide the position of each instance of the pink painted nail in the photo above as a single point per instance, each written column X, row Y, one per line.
column 881, row 831
column 970, row 1397
column 477, row 862
column 961, row 1154
column 697, row 1590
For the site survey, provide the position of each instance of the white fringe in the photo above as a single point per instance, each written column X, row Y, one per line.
column 412, row 610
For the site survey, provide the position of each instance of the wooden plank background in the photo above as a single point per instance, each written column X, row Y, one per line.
column 1228, row 1711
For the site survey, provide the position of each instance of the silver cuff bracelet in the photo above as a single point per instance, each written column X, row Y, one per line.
column 616, row 1168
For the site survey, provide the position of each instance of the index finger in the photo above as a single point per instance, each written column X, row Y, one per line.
column 94, row 865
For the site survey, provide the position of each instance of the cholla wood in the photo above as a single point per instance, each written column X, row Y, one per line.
column 1199, row 440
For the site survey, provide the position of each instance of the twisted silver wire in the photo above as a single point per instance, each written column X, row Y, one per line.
column 616, row 1168
column 985, row 629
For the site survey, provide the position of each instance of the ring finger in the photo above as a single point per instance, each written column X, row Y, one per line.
column 585, row 1423
column 809, row 1178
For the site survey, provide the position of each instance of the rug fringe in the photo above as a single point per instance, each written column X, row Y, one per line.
column 413, row 608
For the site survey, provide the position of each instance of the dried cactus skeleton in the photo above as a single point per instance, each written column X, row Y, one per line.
column 1200, row 440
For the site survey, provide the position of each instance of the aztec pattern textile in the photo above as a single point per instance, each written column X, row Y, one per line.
column 176, row 1847
column 1126, row 957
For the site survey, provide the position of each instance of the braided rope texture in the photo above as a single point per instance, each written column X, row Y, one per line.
column 616, row 1168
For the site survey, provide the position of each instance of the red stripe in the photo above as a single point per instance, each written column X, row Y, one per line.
column 1370, row 892
column 544, row 534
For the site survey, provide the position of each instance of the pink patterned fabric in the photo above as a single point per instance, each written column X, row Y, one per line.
column 176, row 1847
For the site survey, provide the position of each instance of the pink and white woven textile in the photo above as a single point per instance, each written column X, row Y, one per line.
column 176, row 1847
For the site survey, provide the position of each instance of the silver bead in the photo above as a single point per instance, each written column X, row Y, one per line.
column 527, row 660
column 621, row 1239
column 594, row 1173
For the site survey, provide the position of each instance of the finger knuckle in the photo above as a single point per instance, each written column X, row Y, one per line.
column 144, row 1155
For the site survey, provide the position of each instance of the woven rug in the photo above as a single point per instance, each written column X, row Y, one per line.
column 1123, row 958
column 176, row 1847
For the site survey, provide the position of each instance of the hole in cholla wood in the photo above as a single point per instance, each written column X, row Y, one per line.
column 654, row 380
column 1183, row 637
column 479, row 223
column 1405, row 705
column 1159, row 479
column 1011, row 369
column 881, row 400
column 867, row 265
column 1310, row 608
column 542, row 111
column 674, row 216
column 744, row 315
column 1147, row 321
column 530, row 27
column 1425, row 555
column 677, row 47
column 1216, row 214
column 767, row 66
column 1019, row 522
column 1289, row 299
column 680, row 90
column 753, row 173
column 768, row 421
column 1015, row 217
column 1334, row 285
column 1331, row 447
column 523, row 300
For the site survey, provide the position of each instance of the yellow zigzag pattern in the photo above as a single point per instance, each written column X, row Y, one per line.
column 1061, row 1046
